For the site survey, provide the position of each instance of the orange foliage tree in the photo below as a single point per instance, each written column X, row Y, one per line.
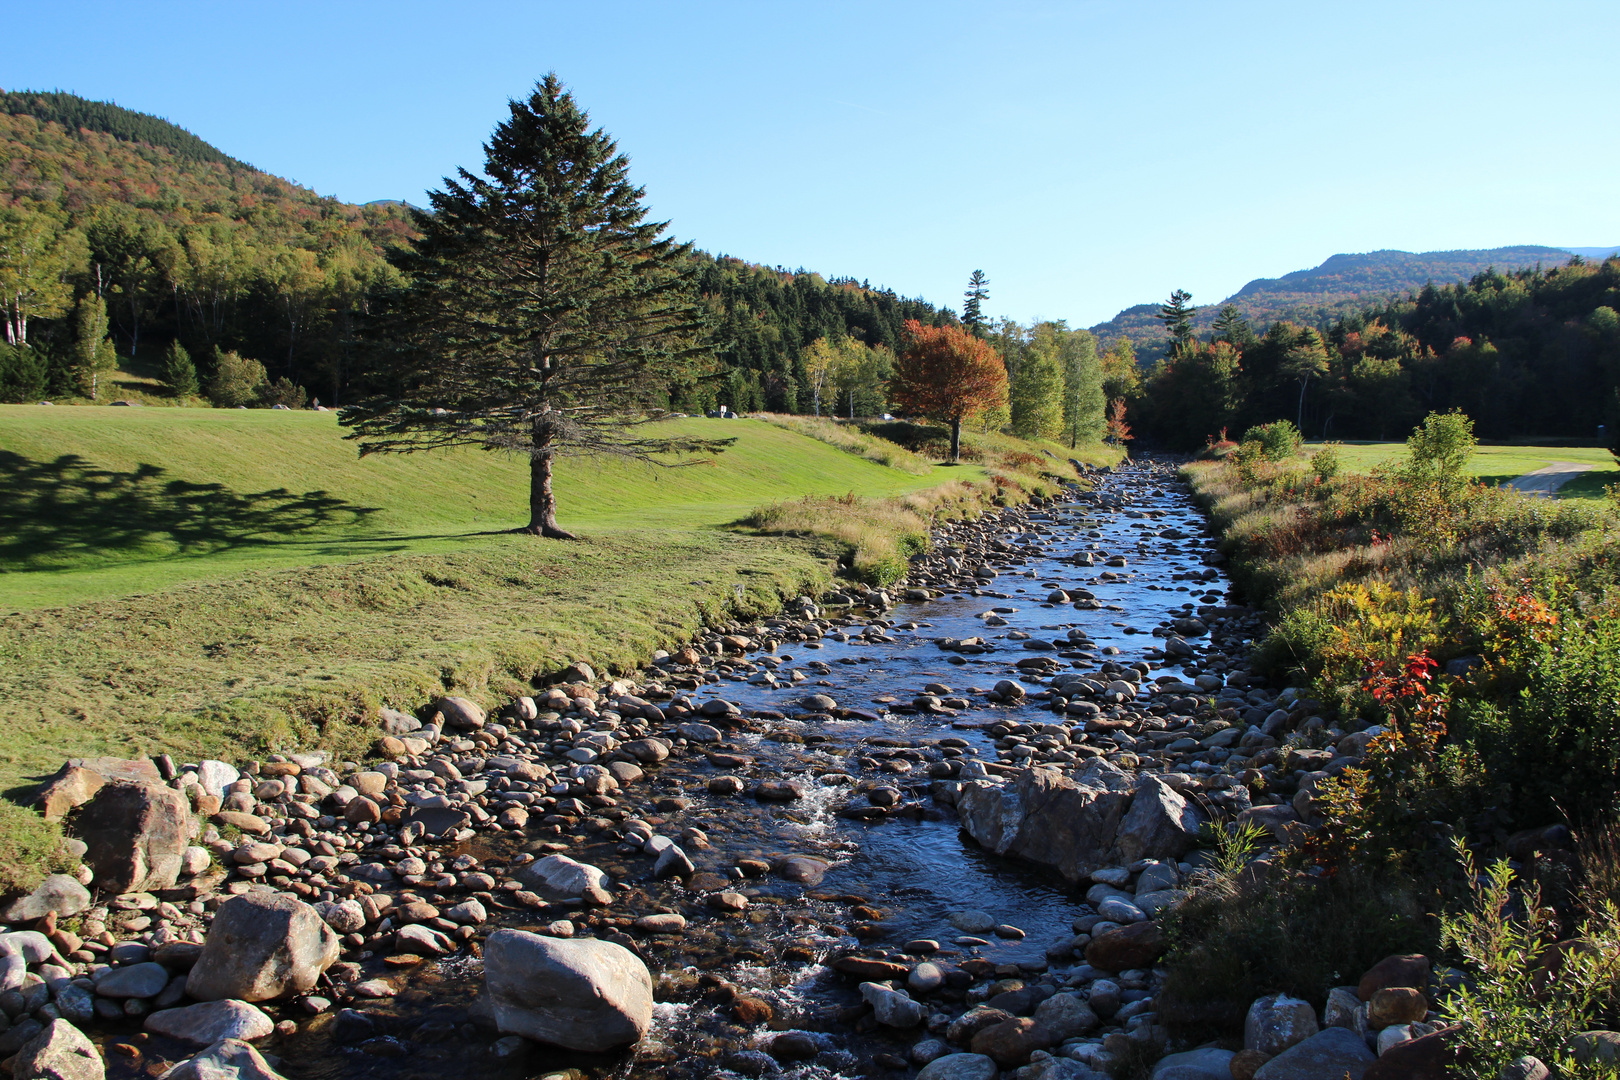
column 947, row 374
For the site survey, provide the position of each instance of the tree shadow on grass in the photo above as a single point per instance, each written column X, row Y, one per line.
column 54, row 514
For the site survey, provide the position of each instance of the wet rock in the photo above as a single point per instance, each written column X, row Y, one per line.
column 1327, row 1055
column 262, row 946
column 804, row 869
column 665, row 923
column 211, row 1021
column 779, row 791
column 135, row 835
column 582, row 995
column 891, row 1007
column 557, row 877
column 960, row 1067
column 925, row 978
column 868, row 969
column 972, row 921
column 58, row 1052
column 228, row 1059
column 58, row 893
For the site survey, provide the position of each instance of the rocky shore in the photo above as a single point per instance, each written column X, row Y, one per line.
column 593, row 874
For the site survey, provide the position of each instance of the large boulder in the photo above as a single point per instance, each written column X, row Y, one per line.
column 1333, row 1054
column 1159, row 825
column 136, row 836
column 1205, row 1063
column 582, row 995
column 262, row 946
column 59, row 1052
column 557, row 878
column 228, row 1059
column 1134, row 946
column 1011, row 1042
column 59, row 893
column 1045, row 817
column 208, row 1022
column 960, row 1067
column 1276, row 1022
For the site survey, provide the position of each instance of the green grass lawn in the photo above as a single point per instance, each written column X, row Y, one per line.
column 104, row 502
column 1499, row 464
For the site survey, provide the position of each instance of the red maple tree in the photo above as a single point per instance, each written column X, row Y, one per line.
column 947, row 374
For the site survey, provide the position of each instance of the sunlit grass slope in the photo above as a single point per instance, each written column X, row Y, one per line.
column 105, row 502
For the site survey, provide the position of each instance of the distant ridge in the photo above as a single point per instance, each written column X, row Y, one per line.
column 75, row 113
column 1340, row 285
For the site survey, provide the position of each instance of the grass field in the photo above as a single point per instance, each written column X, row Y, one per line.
column 99, row 502
column 227, row 583
column 1499, row 464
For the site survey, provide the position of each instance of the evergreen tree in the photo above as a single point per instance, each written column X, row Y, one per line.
column 978, row 291
column 545, row 315
column 1232, row 328
column 1177, row 316
column 179, row 373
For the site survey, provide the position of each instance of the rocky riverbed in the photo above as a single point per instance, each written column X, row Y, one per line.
column 921, row 830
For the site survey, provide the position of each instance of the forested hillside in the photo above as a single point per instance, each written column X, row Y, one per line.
column 1529, row 352
column 1340, row 286
column 181, row 242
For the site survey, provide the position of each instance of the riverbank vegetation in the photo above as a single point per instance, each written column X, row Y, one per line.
column 1474, row 633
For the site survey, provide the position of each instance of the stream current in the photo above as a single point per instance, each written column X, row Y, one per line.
column 888, row 881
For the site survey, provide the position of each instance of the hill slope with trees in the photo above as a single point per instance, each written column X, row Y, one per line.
column 1343, row 284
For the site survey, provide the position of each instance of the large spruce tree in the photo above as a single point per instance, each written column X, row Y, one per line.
column 543, row 315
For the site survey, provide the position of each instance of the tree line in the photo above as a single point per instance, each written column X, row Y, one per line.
column 1525, row 353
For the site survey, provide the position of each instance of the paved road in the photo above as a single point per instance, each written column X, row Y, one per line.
column 1548, row 480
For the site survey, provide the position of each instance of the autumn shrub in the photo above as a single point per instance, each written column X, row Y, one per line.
column 1279, row 440
column 1413, row 790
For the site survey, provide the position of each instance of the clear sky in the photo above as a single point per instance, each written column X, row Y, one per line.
column 1086, row 155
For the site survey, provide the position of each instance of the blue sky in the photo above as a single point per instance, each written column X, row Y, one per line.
column 1086, row 155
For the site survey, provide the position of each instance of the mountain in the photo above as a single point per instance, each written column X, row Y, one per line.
column 1341, row 285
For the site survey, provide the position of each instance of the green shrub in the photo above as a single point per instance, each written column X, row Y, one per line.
column 282, row 392
column 1508, row 1006
column 1439, row 448
column 1553, row 732
column 1325, row 462
column 1280, row 439
column 236, row 380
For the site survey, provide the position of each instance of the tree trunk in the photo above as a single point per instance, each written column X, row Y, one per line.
column 1303, row 384
column 956, row 439
column 542, row 500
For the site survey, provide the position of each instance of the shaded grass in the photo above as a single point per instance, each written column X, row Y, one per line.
column 121, row 516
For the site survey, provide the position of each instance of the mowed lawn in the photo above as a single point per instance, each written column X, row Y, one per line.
column 233, row 582
column 1499, row 464
column 104, row 502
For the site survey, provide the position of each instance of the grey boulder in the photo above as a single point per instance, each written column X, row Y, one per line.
column 579, row 994
column 262, row 946
column 557, row 877
column 960, row 1067
column 1159, row 825
column 58, row 893
column 1328, row 1055
column 134, row 981
column 1208, row 1063
column 228, row 1059
column 59, row 1052
column 210, row 1021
